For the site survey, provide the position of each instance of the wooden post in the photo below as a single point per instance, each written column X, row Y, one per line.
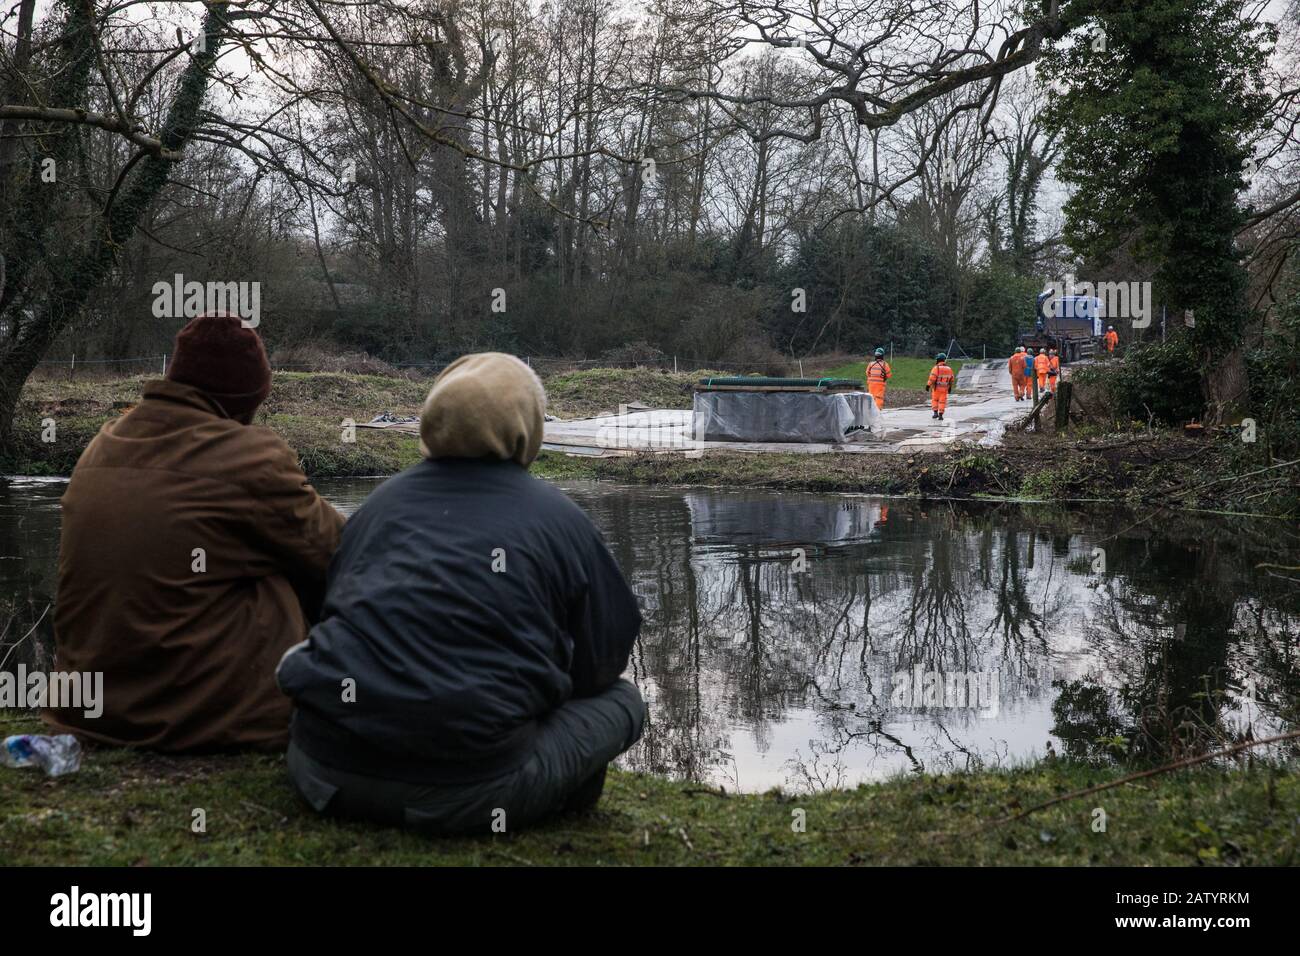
column 1035, row 415
column 1063, row 390
column 1032, row 421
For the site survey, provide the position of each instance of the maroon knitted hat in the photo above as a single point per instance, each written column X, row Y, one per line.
column 217, row 355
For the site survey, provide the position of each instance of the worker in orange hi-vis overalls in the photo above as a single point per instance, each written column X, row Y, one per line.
column 940, row 383
column 1053, row 370
column 878, row 373
column 1112, row 340
column 1016, row 366
column 1041, row 365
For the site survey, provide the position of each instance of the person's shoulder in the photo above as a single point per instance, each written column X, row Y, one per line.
column 265, row 440
column 552, row 503
column 250, row 455
column 399, row 490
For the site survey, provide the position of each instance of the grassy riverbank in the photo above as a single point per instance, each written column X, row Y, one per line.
column 1114, row 462
column 308, row 410
column 127, row 808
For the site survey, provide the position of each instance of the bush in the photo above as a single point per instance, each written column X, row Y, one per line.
column 754, row 356
column 716, row 320
column 1158, row 381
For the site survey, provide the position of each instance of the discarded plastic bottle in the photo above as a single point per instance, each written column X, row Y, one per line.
column 55, row 755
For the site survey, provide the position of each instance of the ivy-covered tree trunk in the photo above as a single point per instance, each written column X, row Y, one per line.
column 44, row 288
column 1158, row 99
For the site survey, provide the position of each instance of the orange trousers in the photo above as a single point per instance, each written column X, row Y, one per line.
column 877, row 390
column 938, row 399
column 1042, row 382
column 1020, row 386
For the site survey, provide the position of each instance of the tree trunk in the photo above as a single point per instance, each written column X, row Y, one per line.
column 1225, row 386
column 72, row 283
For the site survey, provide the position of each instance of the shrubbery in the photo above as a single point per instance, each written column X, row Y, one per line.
column 1274, row 369
column 1157, row 382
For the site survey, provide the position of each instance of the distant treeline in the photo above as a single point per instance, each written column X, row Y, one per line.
column 847, row 287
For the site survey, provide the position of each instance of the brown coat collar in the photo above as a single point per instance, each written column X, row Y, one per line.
column 165, row 390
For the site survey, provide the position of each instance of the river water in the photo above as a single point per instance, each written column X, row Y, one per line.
column 809, row 641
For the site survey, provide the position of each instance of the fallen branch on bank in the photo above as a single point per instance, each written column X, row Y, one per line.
column 1156, row 771
column 1127, row 443
column 1236, row 478
column 1033, row 414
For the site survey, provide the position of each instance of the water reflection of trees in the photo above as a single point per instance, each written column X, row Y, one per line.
column 738, row 648
column 1195, row 648
column 737, row 643
column 961, row 605
column 736, row 637
column 29, row 542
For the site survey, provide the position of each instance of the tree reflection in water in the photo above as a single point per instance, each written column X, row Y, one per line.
column 792, row 639
column 759, row 674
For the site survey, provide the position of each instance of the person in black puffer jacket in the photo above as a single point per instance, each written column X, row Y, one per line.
column 464, row 676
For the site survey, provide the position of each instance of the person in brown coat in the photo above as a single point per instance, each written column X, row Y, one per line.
column 193, row 554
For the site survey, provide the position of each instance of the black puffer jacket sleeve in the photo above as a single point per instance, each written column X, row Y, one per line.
column 603, row 621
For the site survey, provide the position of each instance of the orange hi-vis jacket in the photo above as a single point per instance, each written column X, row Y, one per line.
column 1041, row 365
column 941, row 377
column 1054, row 364
column 1019, row 377
column 878, row 373
column 1112, row 340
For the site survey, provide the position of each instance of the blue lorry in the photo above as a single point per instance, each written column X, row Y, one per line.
column 1074, row 325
